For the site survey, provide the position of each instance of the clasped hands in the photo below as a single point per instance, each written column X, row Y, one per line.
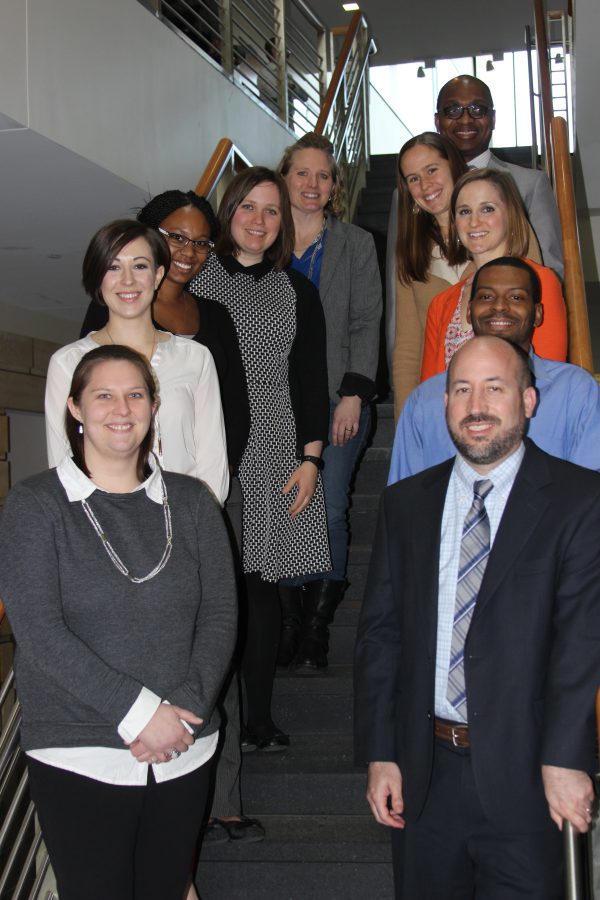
column 165, row 736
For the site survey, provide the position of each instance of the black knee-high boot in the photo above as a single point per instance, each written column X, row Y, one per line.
column 321, row 599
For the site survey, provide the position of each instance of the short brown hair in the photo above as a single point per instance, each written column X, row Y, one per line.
column 313, row 141
column 79, row 382
column 280, row 251
column 108, row 242
column 518, row 225
column 418, row 232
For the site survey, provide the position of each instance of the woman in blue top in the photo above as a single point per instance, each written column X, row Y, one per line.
column 341, row 261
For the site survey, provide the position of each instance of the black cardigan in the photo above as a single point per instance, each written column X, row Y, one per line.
column 309, row 392
column 217, row 333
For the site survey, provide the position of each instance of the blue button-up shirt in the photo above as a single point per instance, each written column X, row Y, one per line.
column 566, row 421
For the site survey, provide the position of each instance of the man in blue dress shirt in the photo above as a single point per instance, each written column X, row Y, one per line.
column 505, row 301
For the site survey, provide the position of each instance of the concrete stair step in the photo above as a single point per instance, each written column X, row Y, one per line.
column 306, row 839
column 317, row 794
column 372, row 476
column 376, row 223
column 363, row 517
column 326, row 712
column 335, row 679
column 287, row 880
column 308, row 754
column 382, row 162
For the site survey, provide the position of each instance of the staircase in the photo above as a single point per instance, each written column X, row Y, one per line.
column 322, row 842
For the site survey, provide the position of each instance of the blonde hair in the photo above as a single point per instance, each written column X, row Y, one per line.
column 313, row 141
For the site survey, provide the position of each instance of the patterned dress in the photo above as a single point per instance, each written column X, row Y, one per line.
column 262, row 304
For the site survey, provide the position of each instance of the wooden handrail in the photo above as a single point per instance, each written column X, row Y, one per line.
column 336, row 78
column 224, row 152
column 541, row 41
column 580, row 343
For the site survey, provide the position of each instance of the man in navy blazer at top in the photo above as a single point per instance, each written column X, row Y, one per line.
column 475, row 797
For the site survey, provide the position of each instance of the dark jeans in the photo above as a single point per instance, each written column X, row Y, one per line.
column 340, row 463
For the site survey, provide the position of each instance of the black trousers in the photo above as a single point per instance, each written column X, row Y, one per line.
column 260, row 614
column 453, row 852
column 112, row 842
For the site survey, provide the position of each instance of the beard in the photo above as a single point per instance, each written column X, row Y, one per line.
column 490, row 451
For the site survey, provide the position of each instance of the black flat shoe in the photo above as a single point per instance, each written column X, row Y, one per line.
column 246, row 831
column 248, row 742
column 273, row 743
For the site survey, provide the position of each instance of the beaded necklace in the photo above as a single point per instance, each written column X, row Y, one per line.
column 113, row 555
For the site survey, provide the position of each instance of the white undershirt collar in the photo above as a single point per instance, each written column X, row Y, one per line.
column 79, row 487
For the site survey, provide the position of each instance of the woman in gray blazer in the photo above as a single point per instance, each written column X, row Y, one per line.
column 340, row 259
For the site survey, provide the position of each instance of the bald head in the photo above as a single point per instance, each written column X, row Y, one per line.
column 489, row 398
column 465, row 115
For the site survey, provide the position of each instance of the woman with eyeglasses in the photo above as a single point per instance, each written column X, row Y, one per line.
column 124, row 265
column 189, row 226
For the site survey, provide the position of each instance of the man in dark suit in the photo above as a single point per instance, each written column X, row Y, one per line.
column 478, row 650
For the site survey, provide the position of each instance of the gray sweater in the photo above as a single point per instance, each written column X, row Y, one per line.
column 87, row 638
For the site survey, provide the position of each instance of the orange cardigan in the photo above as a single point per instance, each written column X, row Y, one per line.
column 550, row 339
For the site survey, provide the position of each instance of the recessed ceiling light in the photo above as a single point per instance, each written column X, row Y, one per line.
column 350, row 7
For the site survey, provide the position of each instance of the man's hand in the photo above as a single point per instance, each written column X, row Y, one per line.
column 570, row 796
column 384, row 780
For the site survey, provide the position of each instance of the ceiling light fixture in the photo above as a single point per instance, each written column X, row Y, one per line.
column 350, row 7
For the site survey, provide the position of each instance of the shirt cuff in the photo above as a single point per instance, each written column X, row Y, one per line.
column 355, row 384
column 139, row 715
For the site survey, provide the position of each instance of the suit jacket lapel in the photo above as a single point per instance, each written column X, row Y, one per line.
column 427, row 525
column 334, row 245
column 524, row 508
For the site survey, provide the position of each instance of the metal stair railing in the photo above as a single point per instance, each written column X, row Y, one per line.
column 344, row 116
column 343, row 119
column 24, row 863
column 275, row 50
column 556, row 153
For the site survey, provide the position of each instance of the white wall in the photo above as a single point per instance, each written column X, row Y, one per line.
column 110, row 82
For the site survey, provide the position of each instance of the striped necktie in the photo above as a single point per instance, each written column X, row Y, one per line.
column 474, row 552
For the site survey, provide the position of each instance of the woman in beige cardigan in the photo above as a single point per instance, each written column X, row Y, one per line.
column 428, row 167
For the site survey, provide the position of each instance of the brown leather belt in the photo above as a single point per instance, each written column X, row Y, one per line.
column 457, row 735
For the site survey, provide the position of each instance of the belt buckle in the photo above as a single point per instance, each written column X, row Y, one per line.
column 455, row 736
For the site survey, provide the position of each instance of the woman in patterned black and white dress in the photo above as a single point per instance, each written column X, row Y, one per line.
column 281, row 331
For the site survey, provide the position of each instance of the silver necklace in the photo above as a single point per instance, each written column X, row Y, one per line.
column 318, row 242
column 113, row 555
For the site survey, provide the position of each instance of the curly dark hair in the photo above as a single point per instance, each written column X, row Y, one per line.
column 161, row 206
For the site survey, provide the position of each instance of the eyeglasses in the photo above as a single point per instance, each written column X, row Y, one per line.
column 180, row 240
column 476, row 110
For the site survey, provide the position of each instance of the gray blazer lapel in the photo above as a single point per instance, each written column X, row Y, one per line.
column 334, row 246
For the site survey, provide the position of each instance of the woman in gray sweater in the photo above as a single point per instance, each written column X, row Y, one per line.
column 118, row 583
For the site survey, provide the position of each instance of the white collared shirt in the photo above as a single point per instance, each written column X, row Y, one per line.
column 482, row 161
column 105, row 763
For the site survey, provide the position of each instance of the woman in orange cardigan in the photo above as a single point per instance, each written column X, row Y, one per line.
column 488, row 218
